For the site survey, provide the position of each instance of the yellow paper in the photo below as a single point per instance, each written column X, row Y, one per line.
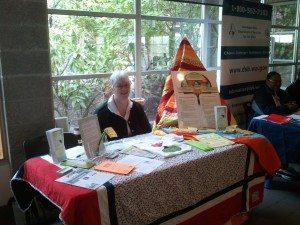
column 110, row 132
column 213, row 140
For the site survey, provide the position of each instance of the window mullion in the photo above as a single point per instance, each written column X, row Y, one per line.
column 138, row 49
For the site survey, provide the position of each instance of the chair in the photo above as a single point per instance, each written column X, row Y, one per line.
column 41, row 211
column 71, row 139
column 36, row 147
column 247, row 112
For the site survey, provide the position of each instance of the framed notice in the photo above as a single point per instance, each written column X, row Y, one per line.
column 196, row 94
column 90, row 134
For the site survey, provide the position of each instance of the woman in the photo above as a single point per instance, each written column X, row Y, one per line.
column 125, row 116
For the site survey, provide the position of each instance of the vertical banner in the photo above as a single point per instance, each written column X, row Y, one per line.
column 244, row 52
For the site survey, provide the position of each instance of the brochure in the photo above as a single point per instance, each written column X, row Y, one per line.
column 115, row 167
column 133, row 150
column 90, row 179
column 142, row 164
column 213, row 140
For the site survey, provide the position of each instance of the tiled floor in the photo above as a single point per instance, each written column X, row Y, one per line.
column 281, row 205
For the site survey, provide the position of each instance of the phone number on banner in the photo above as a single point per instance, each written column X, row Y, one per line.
column 250, row 10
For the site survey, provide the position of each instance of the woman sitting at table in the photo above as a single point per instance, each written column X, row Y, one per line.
column 269, row 98
column 125, row 116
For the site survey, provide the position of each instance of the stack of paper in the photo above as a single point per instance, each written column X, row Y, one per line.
column 207, row 142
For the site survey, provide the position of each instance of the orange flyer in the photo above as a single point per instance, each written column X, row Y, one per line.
column 114, row 167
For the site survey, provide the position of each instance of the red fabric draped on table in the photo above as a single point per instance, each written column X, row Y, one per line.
column 185, row 59
column 265, row 152
column 72, row 201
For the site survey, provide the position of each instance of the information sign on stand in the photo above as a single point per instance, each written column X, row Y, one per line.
column 90, row 134
column 196, row 94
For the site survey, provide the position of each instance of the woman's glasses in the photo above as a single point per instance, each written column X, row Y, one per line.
column 120, row 86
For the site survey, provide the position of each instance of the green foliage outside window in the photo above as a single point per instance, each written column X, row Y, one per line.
column 83, row 43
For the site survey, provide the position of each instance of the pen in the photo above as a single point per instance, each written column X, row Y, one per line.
column 79, row 155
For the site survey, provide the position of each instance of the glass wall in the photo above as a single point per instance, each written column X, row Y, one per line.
column 284, row 42
column 91, row 39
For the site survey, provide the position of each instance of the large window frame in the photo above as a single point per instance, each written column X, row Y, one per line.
column 138, row 17
column 286, row 68
column 289, row 67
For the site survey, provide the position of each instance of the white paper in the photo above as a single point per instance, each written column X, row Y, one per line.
column 85, row 178
column 142, row 164
column 296, row 115
column 90, row 134
column 260, row 117
column 196, row 95
column 75, row 152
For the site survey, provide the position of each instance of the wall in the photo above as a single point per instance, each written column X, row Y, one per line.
column 26, row 77
column 4, row 186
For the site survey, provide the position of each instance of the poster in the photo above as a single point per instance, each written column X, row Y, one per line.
column 196, row 95
column 244, row 52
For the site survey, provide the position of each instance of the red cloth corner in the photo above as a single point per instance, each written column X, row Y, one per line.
column 267, row 155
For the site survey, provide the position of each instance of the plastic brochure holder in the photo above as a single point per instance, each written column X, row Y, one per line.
column 55, row 139
column 221, row 117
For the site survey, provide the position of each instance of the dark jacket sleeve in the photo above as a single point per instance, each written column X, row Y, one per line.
column 263, row 102
column 293, row 92
column 108, row 119
column 138, row 121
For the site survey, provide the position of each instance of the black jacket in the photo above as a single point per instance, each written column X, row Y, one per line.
column 293, row 91
column 138, row 121
column 263, row 102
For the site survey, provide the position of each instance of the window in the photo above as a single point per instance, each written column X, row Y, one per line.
column 284, row 40
column 90, row 39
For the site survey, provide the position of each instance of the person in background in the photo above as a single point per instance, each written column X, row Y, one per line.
column 293, row 90
column 269, row 98
column 125, row 116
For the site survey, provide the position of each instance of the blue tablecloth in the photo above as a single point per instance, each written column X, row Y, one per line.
column 284, row 137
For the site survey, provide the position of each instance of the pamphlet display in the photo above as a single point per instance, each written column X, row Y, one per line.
column 196, row 94
column 221, row 117
column 55, row 139
column 91, row 135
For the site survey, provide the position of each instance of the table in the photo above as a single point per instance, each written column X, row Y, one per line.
column 284, row 137
column 192, row 188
